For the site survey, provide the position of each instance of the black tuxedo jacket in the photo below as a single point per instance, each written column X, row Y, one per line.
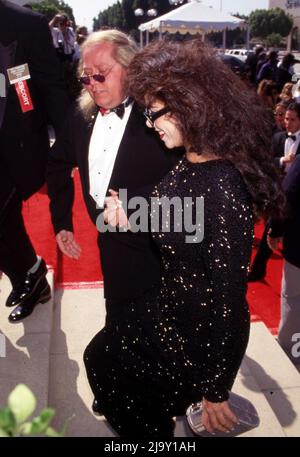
column 290, row 228
column 130, row 263
column 24, row 143
column 278, row 143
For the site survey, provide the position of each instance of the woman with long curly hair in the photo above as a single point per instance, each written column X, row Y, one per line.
column 185, row 342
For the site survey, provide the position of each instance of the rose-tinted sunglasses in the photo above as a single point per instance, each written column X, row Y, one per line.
column 86, row 80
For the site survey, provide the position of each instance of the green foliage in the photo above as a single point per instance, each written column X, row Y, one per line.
column 121, row 14
column 267, row 22
column 14, row 417
column 241, row 16
column 111, row 17
column 274, row 40
column 52, row 7
column 48, row 9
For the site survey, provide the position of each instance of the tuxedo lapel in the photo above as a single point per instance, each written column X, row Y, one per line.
column 85, row 147
column 128, row 146
column 7, row 58
column 279, row 144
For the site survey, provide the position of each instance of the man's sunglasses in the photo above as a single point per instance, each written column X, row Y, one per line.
column 99, row 77
column 86, row 80
column 151, row 116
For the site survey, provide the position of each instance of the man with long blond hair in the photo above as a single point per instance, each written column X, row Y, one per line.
column 106, row 137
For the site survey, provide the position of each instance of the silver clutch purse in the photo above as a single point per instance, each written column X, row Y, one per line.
column 243, row 409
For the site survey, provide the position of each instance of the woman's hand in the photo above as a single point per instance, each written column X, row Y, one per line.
column 289, row 158
column 114, row 213
column 218, row 416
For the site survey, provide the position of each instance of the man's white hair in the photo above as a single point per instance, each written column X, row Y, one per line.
column 125, row 49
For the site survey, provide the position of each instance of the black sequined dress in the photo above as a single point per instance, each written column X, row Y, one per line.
column 187, row 339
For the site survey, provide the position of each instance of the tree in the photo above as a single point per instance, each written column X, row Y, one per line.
column 121, row 15
column 266, row 22
column 52, row 7
column 113, row 17
column 274, row 40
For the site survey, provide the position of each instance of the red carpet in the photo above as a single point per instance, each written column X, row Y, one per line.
column 38, row 223
column 263, row 296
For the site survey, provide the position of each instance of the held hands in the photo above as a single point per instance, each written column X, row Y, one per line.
column 218, row 416
column 68, row 245
column 289, row 158
column 114, row 213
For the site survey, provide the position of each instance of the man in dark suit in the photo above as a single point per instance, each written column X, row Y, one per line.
column 251, row 63
column 288, row 232
column 34, row 94
column 107, row 138
column 285, row 147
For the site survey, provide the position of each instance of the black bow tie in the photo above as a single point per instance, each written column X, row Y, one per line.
column 292, row 137
column 119, row 110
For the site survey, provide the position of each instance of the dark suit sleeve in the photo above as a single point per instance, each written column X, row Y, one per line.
column 277, row 148
column 291, row 184
column 59, row 181
column 47, row 73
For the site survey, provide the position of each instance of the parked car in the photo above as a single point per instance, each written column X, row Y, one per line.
column 236, row 65
column 241, row 54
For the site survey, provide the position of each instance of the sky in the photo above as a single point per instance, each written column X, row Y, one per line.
column 85, row 10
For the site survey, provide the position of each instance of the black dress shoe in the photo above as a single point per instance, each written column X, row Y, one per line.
column 14, row 297
column 26, row 289
column 96, row 408
column 41, row 294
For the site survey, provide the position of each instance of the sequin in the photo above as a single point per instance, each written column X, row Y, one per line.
column 187, row 339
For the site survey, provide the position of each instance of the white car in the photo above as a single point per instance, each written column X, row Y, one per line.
column 241, row 54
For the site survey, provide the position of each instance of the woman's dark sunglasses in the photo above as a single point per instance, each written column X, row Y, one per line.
column 152, row 116
column 86, row 80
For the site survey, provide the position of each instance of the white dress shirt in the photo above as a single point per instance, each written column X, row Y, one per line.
column 104, row 145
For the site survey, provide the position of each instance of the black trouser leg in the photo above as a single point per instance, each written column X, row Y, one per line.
column 17, row 254
column 263, row 254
